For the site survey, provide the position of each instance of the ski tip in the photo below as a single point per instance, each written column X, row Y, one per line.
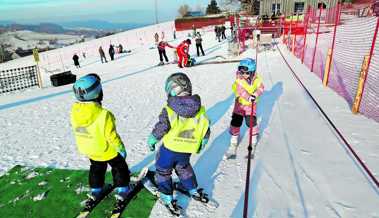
column 83, row 214
column 116, row 215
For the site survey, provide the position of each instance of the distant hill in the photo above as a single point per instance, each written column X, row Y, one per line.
column 40, row 28
column 102, row 25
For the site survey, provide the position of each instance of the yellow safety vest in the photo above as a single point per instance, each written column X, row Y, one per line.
column 91, row 139
column 249, row 88
column 186, row 134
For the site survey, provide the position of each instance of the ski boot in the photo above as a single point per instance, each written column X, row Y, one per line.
column 161, row 63
column 122, row 196
column 94, row 198
column 199, row 195
column 254, row 139
column 170, row 204
column 232, row 152
column 96, row 195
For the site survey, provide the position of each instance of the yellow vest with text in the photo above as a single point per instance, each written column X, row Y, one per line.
column 186, row 134
column 249, row 89
column 95, row 135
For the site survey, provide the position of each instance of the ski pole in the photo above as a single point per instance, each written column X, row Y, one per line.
column 249, row 148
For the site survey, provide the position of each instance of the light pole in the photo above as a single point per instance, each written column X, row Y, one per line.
column 156, row 11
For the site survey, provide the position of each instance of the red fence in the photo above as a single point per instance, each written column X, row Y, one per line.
column 198, row 22
column 348, row 40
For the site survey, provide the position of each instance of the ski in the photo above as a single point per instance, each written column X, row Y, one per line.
column 90, row 204
column 173, row 208
column 149, row 183
column 201, row 195
column 121, row 204
column 231, row 154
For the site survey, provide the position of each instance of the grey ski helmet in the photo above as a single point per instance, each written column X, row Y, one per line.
column 178, row 84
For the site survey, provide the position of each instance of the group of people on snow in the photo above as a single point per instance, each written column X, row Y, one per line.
column 220, row 32
column 183, row 128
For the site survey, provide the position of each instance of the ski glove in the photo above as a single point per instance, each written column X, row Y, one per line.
column 122, row 151
column 252, row 98
column 151, row 141
column 202, row 145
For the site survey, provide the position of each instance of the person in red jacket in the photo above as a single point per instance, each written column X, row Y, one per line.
column 183, row 49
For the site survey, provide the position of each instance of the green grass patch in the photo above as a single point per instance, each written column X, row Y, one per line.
column 48, row 192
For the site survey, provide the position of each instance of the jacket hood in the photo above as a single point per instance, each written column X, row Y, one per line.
column 85, row 113
column 185, row 106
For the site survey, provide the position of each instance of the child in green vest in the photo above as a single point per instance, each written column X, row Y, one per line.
column 96, row 137
column 184, row 129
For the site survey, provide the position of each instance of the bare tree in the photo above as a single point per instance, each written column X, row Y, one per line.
column 230, row 5
column 183, row 10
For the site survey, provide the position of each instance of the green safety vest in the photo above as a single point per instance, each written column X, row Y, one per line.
column 186, row 134
column 90, row 139
column 249, row 88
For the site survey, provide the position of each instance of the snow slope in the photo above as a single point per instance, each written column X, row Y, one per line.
column 301, row 169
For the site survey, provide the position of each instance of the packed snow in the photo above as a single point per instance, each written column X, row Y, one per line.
column 301, row 167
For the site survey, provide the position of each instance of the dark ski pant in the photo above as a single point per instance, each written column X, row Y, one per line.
column 162, row 53
column 199, row 47
column 120, row 172
column 112, row 56
column 237, row 120
column 168, row 160
column 103, row 58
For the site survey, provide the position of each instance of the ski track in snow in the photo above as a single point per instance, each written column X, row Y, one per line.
column 301, row 168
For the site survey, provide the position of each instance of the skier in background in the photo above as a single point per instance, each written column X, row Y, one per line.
column 162, row 51
column 223, row 29
column 184, row 128
column 102, row 55
column 111, row 52
column 96, row 137
column 247, row 88
column 182, row 50
column 75, row 58
column 199, row 44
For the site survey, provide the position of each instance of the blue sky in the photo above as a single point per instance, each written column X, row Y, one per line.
column 32, row 11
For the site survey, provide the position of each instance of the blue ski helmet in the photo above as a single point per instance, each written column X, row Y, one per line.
column 178, row 84
column 88, row 88
column 247, row 65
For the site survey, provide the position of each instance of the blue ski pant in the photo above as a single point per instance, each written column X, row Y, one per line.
column 166, row 161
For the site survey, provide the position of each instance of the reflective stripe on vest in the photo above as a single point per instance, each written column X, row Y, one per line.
column 248, row 88
column 186, row 134
column 91, row 140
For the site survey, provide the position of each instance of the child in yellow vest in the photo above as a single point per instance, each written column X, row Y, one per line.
column 184, row 129
column 247, row 88
column 96, row 137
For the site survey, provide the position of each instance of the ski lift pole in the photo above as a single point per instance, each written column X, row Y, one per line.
column 249, row 148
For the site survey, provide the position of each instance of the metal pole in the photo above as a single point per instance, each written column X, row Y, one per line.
column 334, row 40
column 359, row 95
column 306, row 19
column 156, row 11
column 318, row 29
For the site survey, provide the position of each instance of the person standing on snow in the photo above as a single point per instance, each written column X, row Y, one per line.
column 162, row 51
column 96, row 137
column 184, row 128
column 247, row 88
column 199, row 45
column 102, row 55
column 111, row 52
column 182, row 50
column 75, row 58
